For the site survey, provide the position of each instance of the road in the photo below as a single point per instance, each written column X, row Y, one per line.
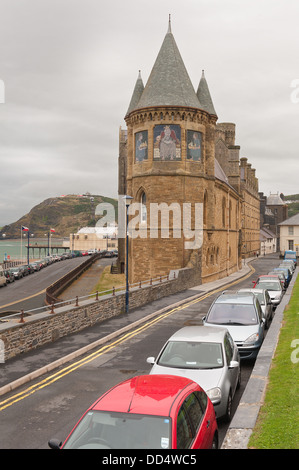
column 50, row 406
column 29, row 292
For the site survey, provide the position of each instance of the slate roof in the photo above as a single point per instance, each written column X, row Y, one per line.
column 169, row 83
column 294, row 220
column 204, row 96
column 138, row 90
column 274, row 200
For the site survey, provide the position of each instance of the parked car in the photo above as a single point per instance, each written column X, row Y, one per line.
column 289, row 264
column 273, row 286
column 25, row 270
column 29, row 268
column 3, row 279
column 17, row 272
column 36, row 266
column 9, row 276
column 84, row 253
column 289, row 254
column 281, row 277
column 92, row 252
column 265, row 303
column 286, row 271
column 208, row 356
column 147, row 412
column 242, row 315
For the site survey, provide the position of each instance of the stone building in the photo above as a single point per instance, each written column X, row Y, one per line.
column 273, row 211
column 198, row 202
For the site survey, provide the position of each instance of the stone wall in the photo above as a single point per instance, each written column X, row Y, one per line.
column 43, row 328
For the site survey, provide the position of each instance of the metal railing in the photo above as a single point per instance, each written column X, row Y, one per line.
column 75, row 302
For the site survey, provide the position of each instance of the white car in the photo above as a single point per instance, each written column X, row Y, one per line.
column 273, row 287
column 265, row 303
column 209, row 357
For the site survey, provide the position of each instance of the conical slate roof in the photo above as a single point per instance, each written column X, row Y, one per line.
column 138, row 90
column 204, row 96
column 169, row 83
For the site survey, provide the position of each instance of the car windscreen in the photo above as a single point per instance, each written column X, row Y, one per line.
column 191, row 355
column 269, row 285
column 111, row 430
column 232, row 314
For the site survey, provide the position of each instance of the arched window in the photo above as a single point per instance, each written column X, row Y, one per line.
column 143, row 207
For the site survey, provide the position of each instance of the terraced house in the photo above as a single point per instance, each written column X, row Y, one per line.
column 175, row 160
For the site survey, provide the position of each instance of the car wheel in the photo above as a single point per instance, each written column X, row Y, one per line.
column 228, row 413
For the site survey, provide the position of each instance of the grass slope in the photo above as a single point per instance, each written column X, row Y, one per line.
column 278, row 422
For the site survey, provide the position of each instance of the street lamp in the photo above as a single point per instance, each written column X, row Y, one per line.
column 127, row 202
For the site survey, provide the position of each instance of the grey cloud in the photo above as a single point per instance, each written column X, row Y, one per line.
column 70, row 66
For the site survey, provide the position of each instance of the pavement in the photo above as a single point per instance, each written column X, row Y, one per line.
column 20, row 370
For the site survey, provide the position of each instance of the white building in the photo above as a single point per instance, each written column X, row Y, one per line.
column 94, row 238
column 289, row 234
column 268, row 241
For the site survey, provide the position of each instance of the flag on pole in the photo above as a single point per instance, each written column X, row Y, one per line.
column 52, row 230
column 25, row 229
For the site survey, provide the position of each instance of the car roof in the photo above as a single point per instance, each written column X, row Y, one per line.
column 236, row 298
column 253, row 290
column 268, row 276
column 145, row 394
column 199, row 333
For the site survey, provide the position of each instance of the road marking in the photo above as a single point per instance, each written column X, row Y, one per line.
column 22, row 300
column 108, row 347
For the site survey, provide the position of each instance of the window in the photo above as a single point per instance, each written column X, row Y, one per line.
column 228, row 349
column 194, row 411
column 291, row 244
column 291, row 230
column 189, row 419
column 184, row 434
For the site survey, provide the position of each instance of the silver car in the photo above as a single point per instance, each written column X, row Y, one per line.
column 242, row 315
column 273, row 286
column 209, row 357
column 265, row 303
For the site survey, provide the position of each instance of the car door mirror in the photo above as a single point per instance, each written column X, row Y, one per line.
column 150, row 360
column 204, row 318
column 54, row 444
column 233, row 364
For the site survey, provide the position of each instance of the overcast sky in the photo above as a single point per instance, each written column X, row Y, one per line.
column 70, row 67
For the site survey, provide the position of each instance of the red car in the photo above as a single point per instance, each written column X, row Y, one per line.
column 147, row 412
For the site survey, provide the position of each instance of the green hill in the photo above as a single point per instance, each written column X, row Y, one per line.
column 65, row 214
column 293, row 203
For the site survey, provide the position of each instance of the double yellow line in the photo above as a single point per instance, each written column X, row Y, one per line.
column 108, row 347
